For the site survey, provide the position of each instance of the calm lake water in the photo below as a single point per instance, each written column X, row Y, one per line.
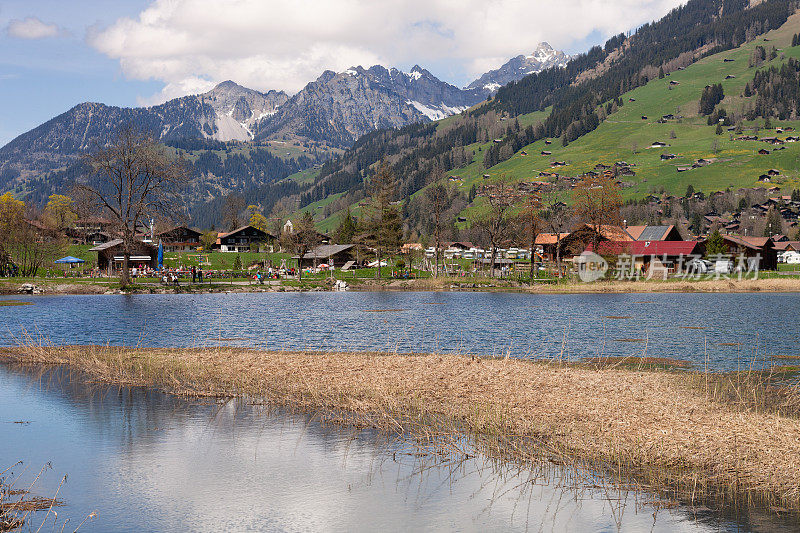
column 146, row 461
column 725, row 331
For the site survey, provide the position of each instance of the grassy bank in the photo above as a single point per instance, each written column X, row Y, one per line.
column 697, row 437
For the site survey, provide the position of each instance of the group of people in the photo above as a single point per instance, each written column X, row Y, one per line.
column 197, row 275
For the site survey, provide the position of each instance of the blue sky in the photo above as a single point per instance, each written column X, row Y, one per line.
column 56, row 54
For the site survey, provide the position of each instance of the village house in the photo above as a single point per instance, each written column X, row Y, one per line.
column 179, row 239
column 90, row 230
column 341, row 256
column 653, row 258
column 753, row 248
column 110, row 256
column 241, row 239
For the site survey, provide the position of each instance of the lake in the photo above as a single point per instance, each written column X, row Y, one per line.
column 723, row 331
column 147, row 461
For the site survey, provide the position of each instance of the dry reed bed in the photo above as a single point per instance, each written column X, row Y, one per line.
column 658, row 428
column 787, row 284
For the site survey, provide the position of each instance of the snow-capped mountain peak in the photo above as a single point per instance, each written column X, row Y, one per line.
column 543, row 57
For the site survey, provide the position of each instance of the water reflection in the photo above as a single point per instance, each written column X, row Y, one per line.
column 147, row 461
column 723, row 331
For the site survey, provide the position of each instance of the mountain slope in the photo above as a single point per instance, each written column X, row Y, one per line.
column 340, row 108
column 516, row 68
column 621, row 135
column 336, row 109
column 227, row 112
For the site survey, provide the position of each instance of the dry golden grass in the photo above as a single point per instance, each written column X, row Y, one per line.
column 788, row 284
column 669, row 431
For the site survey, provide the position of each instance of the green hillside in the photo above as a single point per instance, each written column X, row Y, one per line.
column 625, row 136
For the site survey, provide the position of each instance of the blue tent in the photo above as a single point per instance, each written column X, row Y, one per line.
column 69, row 260
column 160, row 255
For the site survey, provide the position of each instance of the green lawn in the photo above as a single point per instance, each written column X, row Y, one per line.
column 221, row 260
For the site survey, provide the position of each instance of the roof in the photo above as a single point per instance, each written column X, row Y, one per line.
column 782, row 246
column 325, row 251
column 549, row 238
column 646, row 247
column 106, row 245
column 461, row 244
column 237, row 230
column 649, row 233
column 755, row 243
column 117, row 242
column 173, row 228
column 608, row 231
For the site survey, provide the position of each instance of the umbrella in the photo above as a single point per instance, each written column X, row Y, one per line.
column 160, row 255
column 69, row 260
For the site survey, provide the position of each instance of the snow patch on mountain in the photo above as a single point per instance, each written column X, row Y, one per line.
column 438, row 112
column 516, row 68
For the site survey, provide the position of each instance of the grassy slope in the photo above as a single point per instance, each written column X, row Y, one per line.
column 625, row 136
column 470, row 174
column 738, row 165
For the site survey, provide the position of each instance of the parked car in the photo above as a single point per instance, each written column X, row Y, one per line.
column 699, row 266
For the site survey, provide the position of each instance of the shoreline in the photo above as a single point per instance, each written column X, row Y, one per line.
column 88, row 287
column 678, row 433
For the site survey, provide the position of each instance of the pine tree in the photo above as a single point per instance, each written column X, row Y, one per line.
column 718, row 131
column 715, row 245
column 347, row 228
column 384, row 222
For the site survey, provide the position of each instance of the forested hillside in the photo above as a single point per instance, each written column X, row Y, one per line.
column 613, row 125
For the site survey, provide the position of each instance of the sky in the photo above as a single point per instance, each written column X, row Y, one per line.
column 55, row 54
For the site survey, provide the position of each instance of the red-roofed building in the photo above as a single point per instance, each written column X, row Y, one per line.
column 654, row 258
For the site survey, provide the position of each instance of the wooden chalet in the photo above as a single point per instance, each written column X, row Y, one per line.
column 241, row 239
column 336, row 255
column 752, row 248
column 179, row 239
column 110, row 256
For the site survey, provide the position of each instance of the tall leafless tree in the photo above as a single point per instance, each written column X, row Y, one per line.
column 494, row 222
column 301, row 240
column 438, row 200
column 532, row 224
column 133, row 179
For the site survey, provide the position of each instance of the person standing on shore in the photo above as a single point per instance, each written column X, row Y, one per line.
column 194, row 275
column 200, row 275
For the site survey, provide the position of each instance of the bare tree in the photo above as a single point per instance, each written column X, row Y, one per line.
column 134, row 178
column 556, row 218
column 231, row 211
column 597, row 202
column 532, row 224
column 301, row 240
column 438, row 199
column 494, row 222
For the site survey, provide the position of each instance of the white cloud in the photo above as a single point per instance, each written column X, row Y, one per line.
column 283, row 45
column 31, row 28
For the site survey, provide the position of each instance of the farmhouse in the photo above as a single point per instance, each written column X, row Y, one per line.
column 110, row 256
column 179, row 239
column 759, row 251
column 240, row 239
column 335, row 255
